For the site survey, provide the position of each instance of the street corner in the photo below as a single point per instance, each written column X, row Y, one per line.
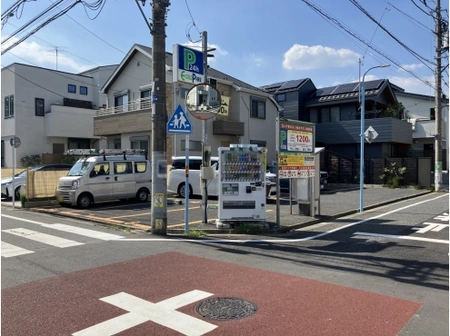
column 172, row 292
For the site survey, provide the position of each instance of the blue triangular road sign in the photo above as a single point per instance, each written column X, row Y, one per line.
column 179, row 122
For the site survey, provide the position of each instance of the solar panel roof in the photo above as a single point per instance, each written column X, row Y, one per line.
column 291, row 84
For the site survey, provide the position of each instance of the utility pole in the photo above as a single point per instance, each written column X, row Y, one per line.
column 438, row 101
column 204, row 148
column 159, row 118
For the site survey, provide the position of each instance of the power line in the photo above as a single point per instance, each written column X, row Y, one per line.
column 360, row 38
column 415, row 54
column 409, row 16
column 190, row 25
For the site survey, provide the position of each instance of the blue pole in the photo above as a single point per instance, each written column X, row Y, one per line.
column 361, row 156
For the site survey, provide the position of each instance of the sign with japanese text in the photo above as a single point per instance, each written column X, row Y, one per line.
column 188, row 65
column 296, row 144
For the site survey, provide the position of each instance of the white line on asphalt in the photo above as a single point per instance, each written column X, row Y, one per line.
column 83, row 232
column 429, row 240
column 43, row 238
column 23, row 220
column 282, row 240
column 9, row 250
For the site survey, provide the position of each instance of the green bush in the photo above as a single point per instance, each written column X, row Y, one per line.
column 245, row 228
column 23, row 200
column 30, row 160
column 393, row 176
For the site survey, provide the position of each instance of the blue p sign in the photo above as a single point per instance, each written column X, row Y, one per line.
column 189, row 59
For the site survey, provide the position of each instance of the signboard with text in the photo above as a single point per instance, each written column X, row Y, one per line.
column 188, row 65
column 296, row 148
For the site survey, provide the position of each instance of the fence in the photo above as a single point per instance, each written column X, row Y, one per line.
column 42, row 184
column 342, row 169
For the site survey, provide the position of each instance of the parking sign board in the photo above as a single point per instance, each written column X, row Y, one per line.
column 188, row 65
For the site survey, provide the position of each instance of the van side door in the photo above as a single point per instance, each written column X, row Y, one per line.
column 100, row 181
column 124, row 182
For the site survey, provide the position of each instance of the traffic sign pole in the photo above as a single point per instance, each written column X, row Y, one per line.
column 13, row 177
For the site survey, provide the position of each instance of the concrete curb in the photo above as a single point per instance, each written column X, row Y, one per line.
column 122, row 225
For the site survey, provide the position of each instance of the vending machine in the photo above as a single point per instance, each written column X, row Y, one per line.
column 242, row 189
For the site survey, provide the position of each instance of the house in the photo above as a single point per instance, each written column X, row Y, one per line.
column 420, row 111
column 247, row 115
column 50, row 111
column 336, row 112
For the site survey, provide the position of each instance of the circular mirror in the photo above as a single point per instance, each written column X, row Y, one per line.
column 203, row 101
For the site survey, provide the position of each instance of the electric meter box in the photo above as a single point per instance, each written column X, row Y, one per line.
column 242, row 184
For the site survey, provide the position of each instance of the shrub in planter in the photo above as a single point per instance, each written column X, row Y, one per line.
column 393, row 176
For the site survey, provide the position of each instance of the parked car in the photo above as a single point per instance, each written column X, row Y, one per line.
column 21, row 178
column 106, row 177
column 285, row 182
column 176, row 180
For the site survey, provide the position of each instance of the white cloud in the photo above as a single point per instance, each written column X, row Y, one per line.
column 254, row 60
column 218, row 52
column 37, row 54
column 302, row 57
column 412, row 84
column 411, row 67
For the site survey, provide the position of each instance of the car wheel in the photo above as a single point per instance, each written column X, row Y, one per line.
column 142, row 195
column 84, row 201
column 17, row 194
column 182, row 190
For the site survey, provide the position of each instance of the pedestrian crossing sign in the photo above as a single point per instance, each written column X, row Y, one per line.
column 179, row 122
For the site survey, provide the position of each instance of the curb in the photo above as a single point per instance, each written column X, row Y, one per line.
column 282, row 229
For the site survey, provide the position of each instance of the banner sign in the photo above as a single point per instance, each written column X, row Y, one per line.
column 296, row 148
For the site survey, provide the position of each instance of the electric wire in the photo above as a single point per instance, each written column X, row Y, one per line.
column 415, row 54
column 409, row 17
column 360, row 38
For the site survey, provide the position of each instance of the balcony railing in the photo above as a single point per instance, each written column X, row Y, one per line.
column 135, row 105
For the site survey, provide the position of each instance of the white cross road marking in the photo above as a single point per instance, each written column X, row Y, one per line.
column 163, row 312
column 83, row 232
column 444, row 217
column 9, row 250
column 430, row 240
column 43, row 238
column 431, row 227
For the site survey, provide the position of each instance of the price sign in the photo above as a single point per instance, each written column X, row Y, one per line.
column 299, row 141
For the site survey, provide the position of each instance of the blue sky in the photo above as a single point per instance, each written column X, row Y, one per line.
column 257, row 41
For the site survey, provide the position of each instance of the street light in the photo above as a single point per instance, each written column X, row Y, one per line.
column 362, row 93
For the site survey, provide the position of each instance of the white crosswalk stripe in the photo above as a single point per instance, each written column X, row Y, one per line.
column 9, row 250
column 43, row 237
column 83, row 232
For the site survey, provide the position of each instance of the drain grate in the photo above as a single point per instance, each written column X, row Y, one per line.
column 225, row 309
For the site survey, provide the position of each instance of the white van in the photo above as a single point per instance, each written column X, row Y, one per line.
column 177, row 177
column 105, row 177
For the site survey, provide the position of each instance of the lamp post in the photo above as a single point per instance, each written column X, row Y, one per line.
column 362, row 93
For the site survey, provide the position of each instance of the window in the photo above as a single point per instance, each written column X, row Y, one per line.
column 39, row 107
column 432, row 114
column 325, row 115
column 123, row 168
column 117, row 144
column 140, row 167
column 258, row 108
column 281, row 97
column 83, row 90
column 335, row 113
column 183, row 92
column 313, row 116
column 145, row 99
column 213, row 83
column 100, row 169
column 259, row 143
column 9, row 106
column 3, row 153
column 71, row 88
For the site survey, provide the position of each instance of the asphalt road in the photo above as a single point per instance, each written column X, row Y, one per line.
column 383, row 272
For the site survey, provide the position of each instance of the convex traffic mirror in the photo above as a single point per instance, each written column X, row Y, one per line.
column 203, row 101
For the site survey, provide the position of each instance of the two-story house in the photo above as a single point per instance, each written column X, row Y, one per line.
column 49, row 110
column 247, row 115
column 420, row 111
column 336, row 112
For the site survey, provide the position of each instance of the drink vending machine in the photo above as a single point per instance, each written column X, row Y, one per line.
column 242, row 189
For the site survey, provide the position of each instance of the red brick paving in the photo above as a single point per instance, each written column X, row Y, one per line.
column 287, row 305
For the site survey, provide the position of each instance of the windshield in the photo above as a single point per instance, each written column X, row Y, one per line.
column 80, row 168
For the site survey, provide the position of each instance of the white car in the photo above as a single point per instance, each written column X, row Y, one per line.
column 21, row 178
column 176, row 181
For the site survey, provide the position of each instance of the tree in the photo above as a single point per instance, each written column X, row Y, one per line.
column 395, row 110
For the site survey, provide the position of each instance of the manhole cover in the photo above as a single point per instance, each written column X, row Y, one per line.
column 224, row 309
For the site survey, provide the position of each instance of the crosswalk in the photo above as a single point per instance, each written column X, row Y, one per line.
column 9, row 250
